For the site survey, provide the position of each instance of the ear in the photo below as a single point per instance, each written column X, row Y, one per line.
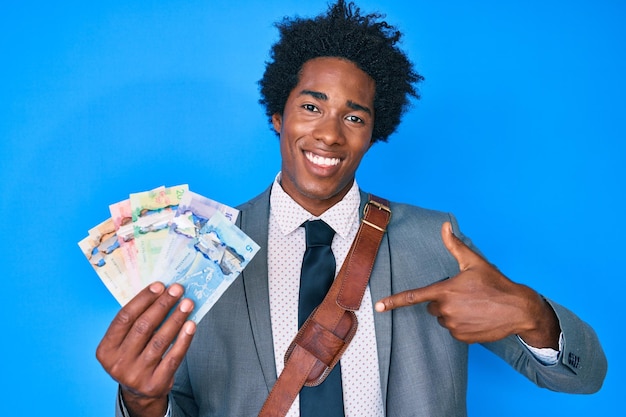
column 277, row 121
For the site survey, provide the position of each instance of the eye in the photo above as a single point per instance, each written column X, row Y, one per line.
column 355, row 119
column 310, row 107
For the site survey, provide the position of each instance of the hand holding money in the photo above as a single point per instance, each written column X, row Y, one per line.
column 157, row 246
column 134, row 350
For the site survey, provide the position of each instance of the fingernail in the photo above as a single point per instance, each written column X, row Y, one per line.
column 189, row 328
column 380, row 307
column 156, row 288
column 186, row 305
column 175, row 290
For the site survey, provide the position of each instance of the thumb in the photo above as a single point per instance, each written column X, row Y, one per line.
column 459, row 250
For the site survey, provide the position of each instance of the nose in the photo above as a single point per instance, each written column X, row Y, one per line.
column 329, row 129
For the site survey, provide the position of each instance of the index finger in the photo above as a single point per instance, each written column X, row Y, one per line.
column 410, row 297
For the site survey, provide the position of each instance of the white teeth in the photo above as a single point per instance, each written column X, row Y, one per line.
column 320, row 160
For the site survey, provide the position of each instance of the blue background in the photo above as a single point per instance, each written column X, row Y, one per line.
column 520, row 133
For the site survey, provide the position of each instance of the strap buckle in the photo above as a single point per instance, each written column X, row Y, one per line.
column 379, row 206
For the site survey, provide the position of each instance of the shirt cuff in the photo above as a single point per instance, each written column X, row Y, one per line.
column 168, row 413
column 546, row 356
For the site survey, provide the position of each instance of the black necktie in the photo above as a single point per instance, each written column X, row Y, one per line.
column 318, row 273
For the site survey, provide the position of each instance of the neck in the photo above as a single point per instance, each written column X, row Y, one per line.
column 314, row 204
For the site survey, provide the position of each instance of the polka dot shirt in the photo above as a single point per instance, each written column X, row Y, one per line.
column 286, row 246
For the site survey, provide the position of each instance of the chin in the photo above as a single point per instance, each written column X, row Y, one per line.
column 322, row 193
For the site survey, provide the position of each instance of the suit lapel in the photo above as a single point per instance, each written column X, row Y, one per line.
column 380, row 286
column 254, row 220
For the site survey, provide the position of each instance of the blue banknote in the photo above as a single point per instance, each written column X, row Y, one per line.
column 210, row 262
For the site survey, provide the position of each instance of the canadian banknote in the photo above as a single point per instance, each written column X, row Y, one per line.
column 152, row 212
column 191, row 215
column 169, row 235
column 122, row 218
column 101, row 247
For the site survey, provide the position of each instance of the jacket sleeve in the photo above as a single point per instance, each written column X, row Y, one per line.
column 581, row 365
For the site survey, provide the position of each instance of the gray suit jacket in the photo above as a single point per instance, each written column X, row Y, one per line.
column 230, row 369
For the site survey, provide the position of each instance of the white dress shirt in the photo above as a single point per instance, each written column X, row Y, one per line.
column 286, row 245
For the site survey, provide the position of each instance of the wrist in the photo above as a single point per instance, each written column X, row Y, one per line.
column 542, row 329
column 142, row 406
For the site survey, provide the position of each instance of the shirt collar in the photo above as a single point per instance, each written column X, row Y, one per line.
column 290, row 215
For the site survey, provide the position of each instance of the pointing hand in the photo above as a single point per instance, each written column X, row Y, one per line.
column 480, row 304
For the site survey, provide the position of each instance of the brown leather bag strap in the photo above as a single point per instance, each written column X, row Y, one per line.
column 327, row 332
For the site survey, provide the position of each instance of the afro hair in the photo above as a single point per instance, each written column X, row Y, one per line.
column 343, row 32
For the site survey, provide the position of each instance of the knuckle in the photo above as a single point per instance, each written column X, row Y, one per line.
column 446, row 310
column 114, row 371
column 101, row 354
column 143, row 327
column 105, row 351
column 150, row 389
column 172, row 363
column 121, row 372
column 159, row 343
column 410, row 297
column 452, row 326
column 163, row 303
column 123, row 317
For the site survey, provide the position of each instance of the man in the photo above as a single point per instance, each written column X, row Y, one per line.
column 335, row 85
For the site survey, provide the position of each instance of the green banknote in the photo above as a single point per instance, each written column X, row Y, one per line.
column 152, row 212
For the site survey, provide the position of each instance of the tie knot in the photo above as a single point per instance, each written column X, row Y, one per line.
column 318, row 233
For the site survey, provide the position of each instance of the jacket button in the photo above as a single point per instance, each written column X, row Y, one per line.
column 573, row 360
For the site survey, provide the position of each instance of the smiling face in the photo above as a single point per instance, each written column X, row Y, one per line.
column 325, row 129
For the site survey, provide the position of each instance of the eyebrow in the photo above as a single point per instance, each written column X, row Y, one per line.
column 321, row 96
column 356, row 106
column 315, row 94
